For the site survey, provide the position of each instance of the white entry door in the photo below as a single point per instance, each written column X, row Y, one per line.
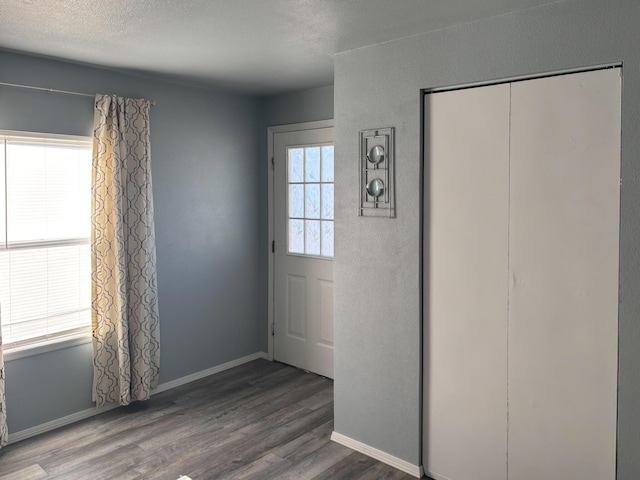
column 303, row 249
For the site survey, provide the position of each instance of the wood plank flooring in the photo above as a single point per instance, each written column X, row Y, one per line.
column 261, row 420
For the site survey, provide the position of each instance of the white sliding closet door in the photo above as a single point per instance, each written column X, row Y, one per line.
column 521, row 279
column 563, row 268
column 466, row 283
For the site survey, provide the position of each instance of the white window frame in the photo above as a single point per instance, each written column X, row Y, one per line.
column 304, row 183
column 69, row 338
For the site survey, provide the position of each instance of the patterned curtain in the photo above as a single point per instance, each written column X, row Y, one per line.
column 4, row 433
column 126, row 331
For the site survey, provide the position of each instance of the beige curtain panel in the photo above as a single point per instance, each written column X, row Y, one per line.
column 126, row 333
column 4, row 433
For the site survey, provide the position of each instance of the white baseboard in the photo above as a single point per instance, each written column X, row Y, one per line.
column 58, row 422
column 209, row 371
column 384, row 457
column 90, row 412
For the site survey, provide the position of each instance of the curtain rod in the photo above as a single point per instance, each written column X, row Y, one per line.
column 52, row 90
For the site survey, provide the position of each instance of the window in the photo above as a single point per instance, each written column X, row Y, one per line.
column 310, row 200
column 45, row 218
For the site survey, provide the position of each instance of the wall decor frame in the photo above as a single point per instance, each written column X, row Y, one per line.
column 377, row 179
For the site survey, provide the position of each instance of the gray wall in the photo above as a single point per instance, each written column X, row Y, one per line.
column 297, row 107
column 208, row 214
column 378, row 318
column 293, row 107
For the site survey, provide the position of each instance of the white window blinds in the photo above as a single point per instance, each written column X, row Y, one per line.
column 45, row 282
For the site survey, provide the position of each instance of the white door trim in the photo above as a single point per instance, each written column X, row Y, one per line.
column 271, row 131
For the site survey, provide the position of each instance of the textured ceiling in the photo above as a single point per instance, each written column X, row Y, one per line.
column 254, row 46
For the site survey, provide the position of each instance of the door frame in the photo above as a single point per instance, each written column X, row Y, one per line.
column 271, row 132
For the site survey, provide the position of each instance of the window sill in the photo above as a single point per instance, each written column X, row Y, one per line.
column 23, row 351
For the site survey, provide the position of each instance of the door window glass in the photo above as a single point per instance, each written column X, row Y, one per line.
column 310, row 200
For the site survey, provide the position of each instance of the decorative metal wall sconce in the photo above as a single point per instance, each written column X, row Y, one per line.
column 377, row 192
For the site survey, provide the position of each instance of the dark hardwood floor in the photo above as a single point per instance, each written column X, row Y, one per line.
column 261, row 420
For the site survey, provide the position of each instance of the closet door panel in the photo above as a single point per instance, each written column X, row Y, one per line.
column 563, row 268
column 466, row 283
